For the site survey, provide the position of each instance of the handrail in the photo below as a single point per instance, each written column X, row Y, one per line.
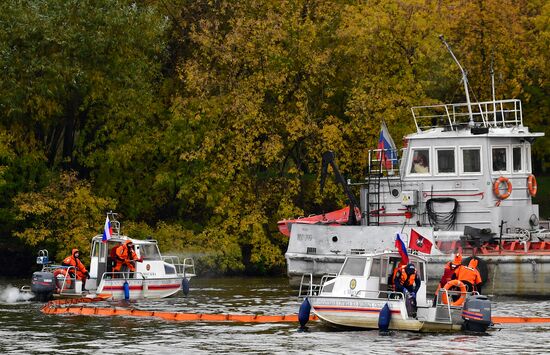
column 498, row 113
column 389, row 294
column 125, row 275
column 183, row 269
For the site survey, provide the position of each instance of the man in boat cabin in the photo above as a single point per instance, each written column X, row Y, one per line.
column 125, row 257
column 470, row 276
column 407, row 279
column 77, row 268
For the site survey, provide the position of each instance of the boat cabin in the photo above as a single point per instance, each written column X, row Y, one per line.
column 466, row 165
column 371, row 276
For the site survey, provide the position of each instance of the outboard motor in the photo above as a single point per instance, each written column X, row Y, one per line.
column 43, row 285
column 476, row 314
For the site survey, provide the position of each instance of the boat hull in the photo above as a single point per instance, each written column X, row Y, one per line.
column 364, row 313
column 140, row 288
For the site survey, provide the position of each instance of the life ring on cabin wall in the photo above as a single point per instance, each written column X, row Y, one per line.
column 496, row 188
column 532, row 185
column 454, row 284
column 64, row 273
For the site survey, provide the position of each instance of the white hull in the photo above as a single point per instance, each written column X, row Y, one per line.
column 140, row 289
column 364, row 313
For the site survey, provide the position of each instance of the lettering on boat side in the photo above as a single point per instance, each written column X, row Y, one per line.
column 305, row 237
column 352, row 303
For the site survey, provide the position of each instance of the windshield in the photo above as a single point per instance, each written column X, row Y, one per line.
column 149, row 252
column 354, row 267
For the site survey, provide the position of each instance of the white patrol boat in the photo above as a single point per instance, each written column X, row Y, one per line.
column 156, row 276
column 463, row 181
column 361, row 296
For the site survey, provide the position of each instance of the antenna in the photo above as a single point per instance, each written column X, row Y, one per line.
column 464, row 79
column 493, row 88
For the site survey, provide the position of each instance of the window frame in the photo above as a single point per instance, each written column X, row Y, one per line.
column 508, row 160
column 430, row 162
column 479, row 148
column 522, row 157
column 436, row 163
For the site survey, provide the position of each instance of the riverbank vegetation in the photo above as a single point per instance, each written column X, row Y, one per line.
column 202, row 122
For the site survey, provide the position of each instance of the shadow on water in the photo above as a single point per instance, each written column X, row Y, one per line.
column 24, row 329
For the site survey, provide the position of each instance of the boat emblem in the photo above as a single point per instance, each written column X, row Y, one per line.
column 148, row 267
column 419, row 242
column 353, row 283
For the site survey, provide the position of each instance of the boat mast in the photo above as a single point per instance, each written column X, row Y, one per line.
column 493, row 89
column 464, row 79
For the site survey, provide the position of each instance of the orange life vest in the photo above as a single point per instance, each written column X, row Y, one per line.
column 407, row 280
column 72, row 260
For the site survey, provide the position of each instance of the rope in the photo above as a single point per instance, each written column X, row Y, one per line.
column 443, row 220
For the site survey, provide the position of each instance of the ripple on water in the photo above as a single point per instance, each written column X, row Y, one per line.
column 26, row 330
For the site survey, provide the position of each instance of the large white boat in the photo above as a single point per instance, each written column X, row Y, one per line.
column 463, row 181
column 360, row 296
column 157, row 276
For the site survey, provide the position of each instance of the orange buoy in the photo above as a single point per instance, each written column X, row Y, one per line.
column 532, row 185
column 454, row 284
column 496, row 188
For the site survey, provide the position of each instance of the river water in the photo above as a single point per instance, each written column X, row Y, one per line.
column 25, row 330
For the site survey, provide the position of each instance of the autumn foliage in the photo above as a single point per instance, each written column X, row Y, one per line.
column 203, row 122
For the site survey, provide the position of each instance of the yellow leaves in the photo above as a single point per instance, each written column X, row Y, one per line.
column 65, row 215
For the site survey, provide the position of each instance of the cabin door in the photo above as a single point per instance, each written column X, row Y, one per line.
column 102, row 260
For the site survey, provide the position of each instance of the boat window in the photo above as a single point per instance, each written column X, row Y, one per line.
column 499, row 159
column 149, row 252
column 420, row 269
column 528, row 158
column 446, row 161
column 95, row 250
column 471, row 160
column 375, row 268
column 354, row 267
column 516, row 158
column 421, row 161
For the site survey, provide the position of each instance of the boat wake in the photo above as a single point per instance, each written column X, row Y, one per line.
column 10, row 294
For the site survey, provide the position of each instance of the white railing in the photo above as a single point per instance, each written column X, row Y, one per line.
column 185, row 269
column 378, row 164
column 499, row 113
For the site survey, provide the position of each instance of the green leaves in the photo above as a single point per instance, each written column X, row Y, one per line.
column 204, row 121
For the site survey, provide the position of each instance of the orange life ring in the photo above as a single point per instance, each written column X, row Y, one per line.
column 448, row 286
column 496, row 188
column 532, row 185
column 65, row 276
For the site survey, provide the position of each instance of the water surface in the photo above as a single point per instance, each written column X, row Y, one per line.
column 25, row 330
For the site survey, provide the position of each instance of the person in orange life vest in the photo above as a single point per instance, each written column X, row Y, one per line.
column 126, row 257
column 78, row 269
column 470, row 276
column 450, row 269
column 407, row 279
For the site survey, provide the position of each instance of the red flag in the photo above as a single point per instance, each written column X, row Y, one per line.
column 420, row 243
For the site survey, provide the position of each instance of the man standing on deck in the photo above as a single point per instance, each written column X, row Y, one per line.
column 126, row 257
column 449, row 273
column 470, row 276
column 408, row 281
column 76, row 267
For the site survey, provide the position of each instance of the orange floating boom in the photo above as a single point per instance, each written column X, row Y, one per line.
column 520, row 319
column 54, row 307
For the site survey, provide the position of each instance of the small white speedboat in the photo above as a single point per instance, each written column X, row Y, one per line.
column 157, row 276
column 358, row 294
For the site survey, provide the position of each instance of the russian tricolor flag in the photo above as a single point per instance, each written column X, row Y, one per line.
column 107, row 231
column 388, row 150
column 402, row 249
